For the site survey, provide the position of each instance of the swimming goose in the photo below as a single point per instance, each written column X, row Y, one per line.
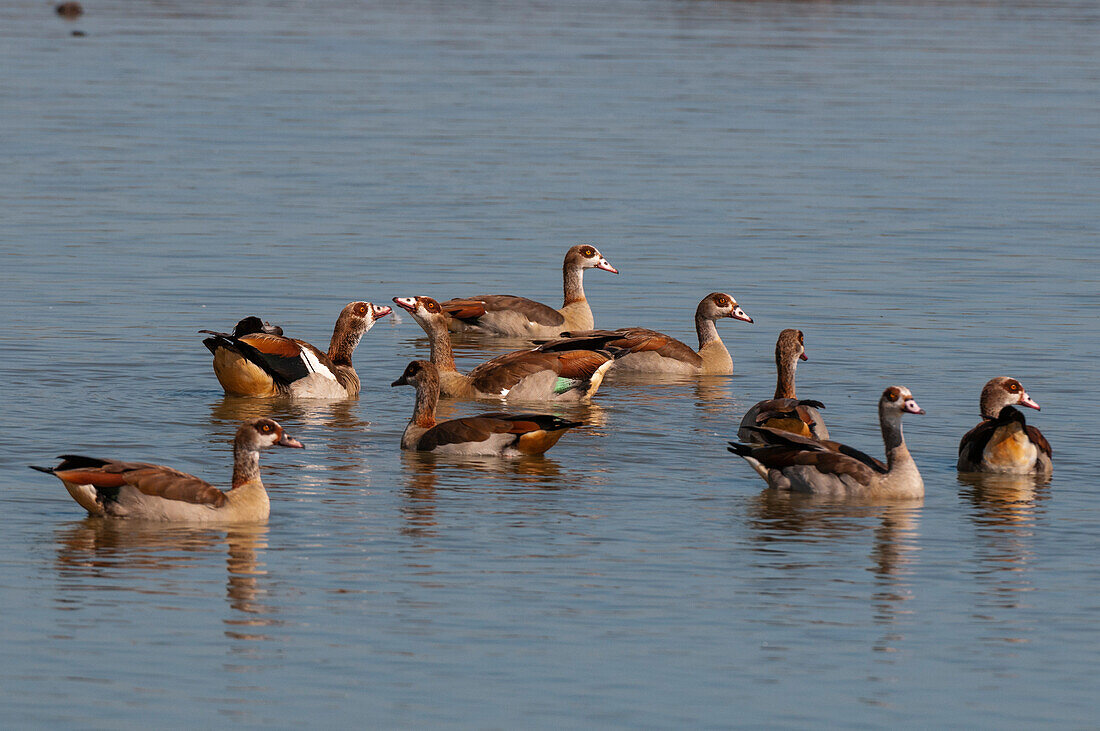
column 1003, row 442
column 786, row 412
column 523, row 375
column 508, row 435
column 107, row 487
column 266, row 364
column 800, row 464
column 505, row 314
column 648, row 351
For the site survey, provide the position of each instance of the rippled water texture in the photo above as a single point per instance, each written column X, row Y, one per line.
column 914, row 185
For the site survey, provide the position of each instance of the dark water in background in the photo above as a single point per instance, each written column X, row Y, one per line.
column 912, row 184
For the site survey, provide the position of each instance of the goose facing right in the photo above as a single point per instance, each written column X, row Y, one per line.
column 1004, row 442
column 112, row 488
column 790, row 462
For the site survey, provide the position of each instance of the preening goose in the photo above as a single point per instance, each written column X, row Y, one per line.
column 1003, row 442
column 259, row 363
column 785, row 411
column 648, row 351
column 505, row 314
column 523, row 375
column 790, row 462
column 108, row 487
column 507, row 435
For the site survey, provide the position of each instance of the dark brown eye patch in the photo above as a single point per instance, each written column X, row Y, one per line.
column 361, row 309
column 265, row 428
column 588, row 251
column 893, row 394
column 1013, row 387
column 431, row 306
column 721, row 301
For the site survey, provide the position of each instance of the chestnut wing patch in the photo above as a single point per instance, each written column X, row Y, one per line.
column 1039, row 441
column 281, row 357
column 108, row 476
column 580, row 364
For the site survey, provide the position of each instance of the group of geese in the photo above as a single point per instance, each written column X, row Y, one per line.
column 783, row 438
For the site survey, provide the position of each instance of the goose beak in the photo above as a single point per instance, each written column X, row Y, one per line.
column 406, row 303
column 381, row 311
column 289, row 441
column 1029, row 402
column 606, row 266
column 910, row 406
column 803, row 356
column 400, row 382
column 739, row 314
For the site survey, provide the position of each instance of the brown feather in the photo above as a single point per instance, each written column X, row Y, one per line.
column 1039, row 441
column 274, row 344
column 459, row 431
column 534, row 311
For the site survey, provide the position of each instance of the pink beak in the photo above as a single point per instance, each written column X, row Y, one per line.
column 381, row 311
column 606, row 266
column 911, row 407
column 1029, row 402
column 803, row 356
column 410, row 305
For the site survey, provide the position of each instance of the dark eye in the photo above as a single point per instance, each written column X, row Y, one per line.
column 588, row 251
column 722, row 302
column 1014, row 387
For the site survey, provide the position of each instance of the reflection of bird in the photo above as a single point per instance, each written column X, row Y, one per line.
column 786, row 412
column 1003, row 441
column 261, row 363
column 523, row 375
column 648, row 351
column 69, row 10
column 790, row 462
column 504, row 314
column 503, row 434
column 156, row 492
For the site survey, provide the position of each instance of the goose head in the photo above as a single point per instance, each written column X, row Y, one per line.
column 1001, row 392
column 790, row 347
column 717, row 305
column 260, row 434
column 419, row 374
column 424, row 309
column 587, row 256
column 898, row 400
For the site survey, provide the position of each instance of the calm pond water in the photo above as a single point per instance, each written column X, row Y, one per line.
column 912, row 184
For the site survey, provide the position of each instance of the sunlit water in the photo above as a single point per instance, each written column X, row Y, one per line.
column 914, row 185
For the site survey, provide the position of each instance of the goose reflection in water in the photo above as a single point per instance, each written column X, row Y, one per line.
column 782, row 517
column 99, row 555
column 428, row 473
column 1005, row 511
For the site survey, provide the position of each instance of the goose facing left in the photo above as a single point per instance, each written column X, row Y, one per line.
column 263, row 363
column 495, row 434
column 112, row 488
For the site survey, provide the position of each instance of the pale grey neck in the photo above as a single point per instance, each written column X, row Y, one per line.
column 784, row 382
column 573, row 283
column 706, row 330
column 246, row 463
column 896, row 451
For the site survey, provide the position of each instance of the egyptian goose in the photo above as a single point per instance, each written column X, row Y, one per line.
column 648, row 351
column 248, row 326
column 107, row 487
column 507, row 435
column 505, row 314
column 786, row 412
column 799, row 464
column 523, row 375
column 260, row 363
column 1003, row 442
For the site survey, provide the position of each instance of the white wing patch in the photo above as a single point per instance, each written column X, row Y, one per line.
column 316, row 366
